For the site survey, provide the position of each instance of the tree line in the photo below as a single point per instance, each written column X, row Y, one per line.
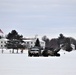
column 15, row 41
column 60, row 42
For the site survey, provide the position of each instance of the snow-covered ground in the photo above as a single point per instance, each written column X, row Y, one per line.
column 21, row 64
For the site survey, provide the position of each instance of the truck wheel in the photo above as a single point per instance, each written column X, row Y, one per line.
column 30, row 54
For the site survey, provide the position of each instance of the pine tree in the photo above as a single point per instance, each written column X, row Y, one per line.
column 37, row 43
column 15, row 41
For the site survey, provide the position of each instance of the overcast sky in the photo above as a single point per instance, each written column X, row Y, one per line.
column 42, row 17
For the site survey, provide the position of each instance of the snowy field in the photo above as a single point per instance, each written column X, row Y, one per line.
column 21, row 64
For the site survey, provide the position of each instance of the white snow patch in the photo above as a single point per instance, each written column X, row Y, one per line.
column 21, row 64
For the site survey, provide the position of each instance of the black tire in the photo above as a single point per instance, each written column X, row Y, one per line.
column 36, row 55
column 29, row 54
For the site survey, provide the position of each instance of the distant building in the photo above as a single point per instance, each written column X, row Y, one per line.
column 31, row 43
column 3, row 42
